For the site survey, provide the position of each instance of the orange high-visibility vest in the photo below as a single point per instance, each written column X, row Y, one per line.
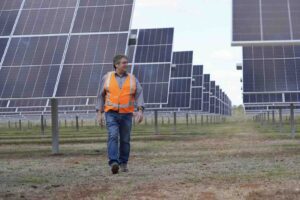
column 116, row 99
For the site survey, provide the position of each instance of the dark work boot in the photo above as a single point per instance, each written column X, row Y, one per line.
column 123, row 167
column 114, row 168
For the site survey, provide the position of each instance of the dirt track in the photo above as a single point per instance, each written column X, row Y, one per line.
column 231, row 161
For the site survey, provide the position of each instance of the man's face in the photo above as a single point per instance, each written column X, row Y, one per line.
column 122, row 66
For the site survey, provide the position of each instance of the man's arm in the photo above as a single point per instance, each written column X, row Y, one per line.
column 101, row 96
column 139, row 97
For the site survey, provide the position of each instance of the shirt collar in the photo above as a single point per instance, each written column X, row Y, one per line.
column 125, row 74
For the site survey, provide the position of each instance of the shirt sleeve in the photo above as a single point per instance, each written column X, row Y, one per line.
column 139, row 96
column 101, row 96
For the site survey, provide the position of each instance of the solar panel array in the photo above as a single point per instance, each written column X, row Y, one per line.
column 266, row 20
column 181, row 81
column 62, row 48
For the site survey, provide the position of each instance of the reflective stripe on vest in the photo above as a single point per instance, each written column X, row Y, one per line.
column 119, row 99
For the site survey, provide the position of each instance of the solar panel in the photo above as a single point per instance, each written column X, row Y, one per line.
column 35, row 51
column 27, row 103
column 212, row 98
column 59, row 48
column 100, row 31
column 45, row 17
column 181, row 81
column 28, row 81
column 206, row 93
column 222, row 102
column 266, row 20
column 8, row 13
column 74, row 101
column 255, row 109
column 67, row 104
column 265, row 108
column 7, row 111
column 271, row 74
column 151, row 59
column 225, row 105
column 197, row 88
column 228, row 106
column 3, row 43
column 3, row 103
column 40, row 105
column 29, row 109
column 217, row 100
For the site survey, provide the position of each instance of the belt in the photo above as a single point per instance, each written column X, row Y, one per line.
column 113, row 111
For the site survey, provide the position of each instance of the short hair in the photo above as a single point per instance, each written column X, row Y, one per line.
column 118, row 58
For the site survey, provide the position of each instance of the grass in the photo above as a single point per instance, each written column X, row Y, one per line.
column 217, row 160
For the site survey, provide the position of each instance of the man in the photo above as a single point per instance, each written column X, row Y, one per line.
column 120, row 91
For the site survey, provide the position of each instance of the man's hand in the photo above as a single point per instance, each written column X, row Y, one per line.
column 100, row 118
column 139, row 116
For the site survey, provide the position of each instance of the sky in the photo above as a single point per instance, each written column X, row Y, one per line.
column 203, row 26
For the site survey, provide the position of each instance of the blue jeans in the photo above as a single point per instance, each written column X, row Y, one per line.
column 118, row 124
